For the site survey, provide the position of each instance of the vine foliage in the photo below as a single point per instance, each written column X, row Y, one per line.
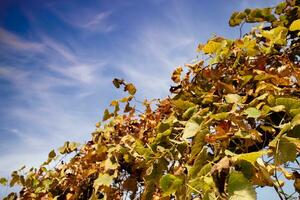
column 232, row 124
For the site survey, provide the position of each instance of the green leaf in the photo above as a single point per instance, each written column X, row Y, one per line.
column 279, row 8
column 191, row 128
column 165, row 127
column 233, row 98
column 286, row 150
column 183, row 105
column 236, row 18
column 276, row 35
column 262, row 97
column 170, row 184
column 246, row 168
column 220, row 116
column 118, row 82
column 199, row 162
column 295, row 121
column 268, row 129
column 295, row 26
column 246, row 79
column 239, row 188
column 140, row 149
column 3, row 181
column 259, row 15
column 204, row 184
column 278, row 108
column 295, row 112
column 252, row 112
column 52, row 154
column 15, row 178
column 210, row 196
column 106, row 115
column 189, row 112
column 290, row 104
column 250, row 157
column 198, row 142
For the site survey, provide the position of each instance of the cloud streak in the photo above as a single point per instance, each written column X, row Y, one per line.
column 88, row 19
column 15, row 42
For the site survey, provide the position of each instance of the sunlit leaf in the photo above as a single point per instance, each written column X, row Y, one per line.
column 213, row 47
column 130, row 88
column 295, row 26
column 239, row 187
column 103, row 179
column 250, row 157
column 233, row 98
column 191, row 128
column 252, row 112
column 276, row 35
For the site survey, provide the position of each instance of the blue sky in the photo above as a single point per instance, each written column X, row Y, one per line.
column 57, row 60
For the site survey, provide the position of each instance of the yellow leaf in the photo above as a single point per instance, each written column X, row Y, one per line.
column 295, row 26
column 130, row 88
column 276, row 35
column 211, row 47
column 103, row 179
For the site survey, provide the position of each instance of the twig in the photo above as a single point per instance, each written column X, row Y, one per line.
column 241, row 31
column 276, row 188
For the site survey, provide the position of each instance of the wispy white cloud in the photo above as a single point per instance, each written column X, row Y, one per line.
column 52, row 114
column 82, row 73
column 153, row 54
column 89, row 19
column 155, row 57
column 15, row 42
column 62, row 50
column 13, row 74
column 97, row 19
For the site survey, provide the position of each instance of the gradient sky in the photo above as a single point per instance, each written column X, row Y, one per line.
column 57, row 60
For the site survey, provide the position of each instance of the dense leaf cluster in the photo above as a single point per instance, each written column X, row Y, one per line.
column 231, row 125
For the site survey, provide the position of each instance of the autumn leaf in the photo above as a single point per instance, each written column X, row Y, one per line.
column 130, row 88
column 295, row 26
column 176, row 74
column 118, row 82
